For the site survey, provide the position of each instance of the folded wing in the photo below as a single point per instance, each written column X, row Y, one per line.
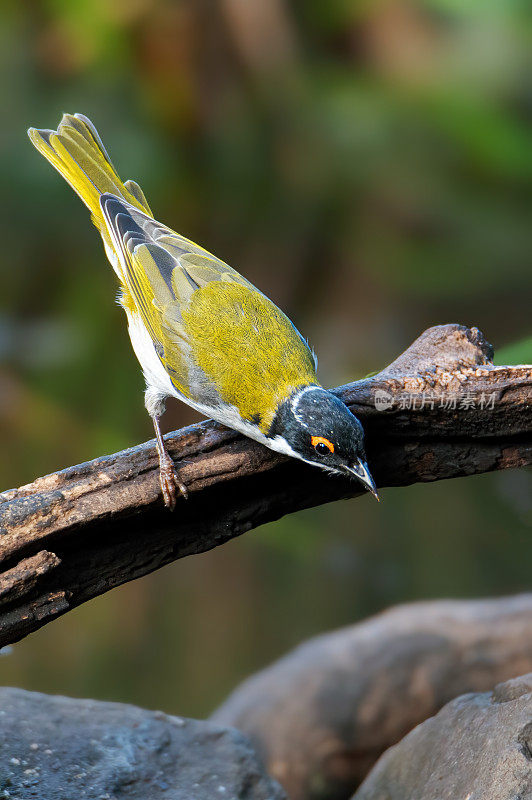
column 219, row 338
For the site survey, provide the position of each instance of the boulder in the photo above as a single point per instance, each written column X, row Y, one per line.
column 478, row 747
column 322, row 715
column 57, row 748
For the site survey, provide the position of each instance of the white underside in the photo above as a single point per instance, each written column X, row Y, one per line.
column 159, row 387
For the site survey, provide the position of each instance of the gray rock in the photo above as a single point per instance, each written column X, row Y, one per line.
column 57, row 748
column 321, row 716
column 478, row 747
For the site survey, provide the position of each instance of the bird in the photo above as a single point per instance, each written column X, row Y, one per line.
column 202, row 332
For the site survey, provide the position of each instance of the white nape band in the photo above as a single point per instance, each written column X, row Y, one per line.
column 295, row 402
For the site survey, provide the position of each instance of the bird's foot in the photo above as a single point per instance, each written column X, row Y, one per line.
column 168, row 477
column 170, row 484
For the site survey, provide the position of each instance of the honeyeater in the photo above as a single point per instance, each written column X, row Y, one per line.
column 202, row 332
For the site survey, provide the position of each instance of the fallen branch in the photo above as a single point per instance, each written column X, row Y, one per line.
column 74, row 534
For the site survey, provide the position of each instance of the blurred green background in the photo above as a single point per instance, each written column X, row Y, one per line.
column 368, row 165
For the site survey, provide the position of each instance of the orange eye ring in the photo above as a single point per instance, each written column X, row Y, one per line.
column 316, row 440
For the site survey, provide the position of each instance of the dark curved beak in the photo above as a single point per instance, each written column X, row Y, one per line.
column 362, row 473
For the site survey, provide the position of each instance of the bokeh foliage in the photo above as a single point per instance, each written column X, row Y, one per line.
column 368, row 165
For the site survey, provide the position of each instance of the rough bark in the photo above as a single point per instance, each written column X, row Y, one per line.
column 76, row 533
column 322, row 715
column 478, row 746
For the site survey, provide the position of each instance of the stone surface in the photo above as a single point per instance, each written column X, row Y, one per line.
column 57, row 748
column 322, row 715
column 478, row 747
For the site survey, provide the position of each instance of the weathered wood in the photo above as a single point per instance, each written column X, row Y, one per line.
column 452, row 413
column 20, row 580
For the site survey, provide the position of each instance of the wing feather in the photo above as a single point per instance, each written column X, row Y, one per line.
column 204, row 318
column 162, row 270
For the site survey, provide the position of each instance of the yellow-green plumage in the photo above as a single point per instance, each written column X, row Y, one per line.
column 77, row 153
column 215, row 329
column 226, row 317
column 213, row 339
column 200, row 330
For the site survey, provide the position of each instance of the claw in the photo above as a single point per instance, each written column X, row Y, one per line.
column 168, row 476
column 170, row 484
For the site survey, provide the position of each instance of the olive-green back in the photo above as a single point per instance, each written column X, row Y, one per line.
column 219, row 338
column 247, row 347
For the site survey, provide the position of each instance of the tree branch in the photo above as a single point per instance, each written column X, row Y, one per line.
column 74, row 534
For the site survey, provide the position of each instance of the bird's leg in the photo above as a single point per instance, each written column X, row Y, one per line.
column 168, row 476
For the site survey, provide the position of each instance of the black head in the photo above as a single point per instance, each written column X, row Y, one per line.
column 315, row 426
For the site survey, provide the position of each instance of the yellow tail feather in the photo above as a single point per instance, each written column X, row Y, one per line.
column 78, row 154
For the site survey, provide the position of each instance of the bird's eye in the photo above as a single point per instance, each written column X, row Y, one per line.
column 322, row 446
